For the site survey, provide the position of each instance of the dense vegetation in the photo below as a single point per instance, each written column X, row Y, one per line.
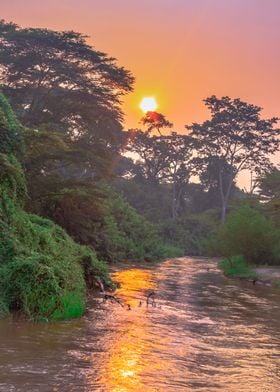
column 71, row 196
column 43, row 272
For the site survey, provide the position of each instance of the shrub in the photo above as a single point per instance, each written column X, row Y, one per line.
column 190, row 232
column 116, row 231
column 250, row 234
column 236, row 266
column 43, row 272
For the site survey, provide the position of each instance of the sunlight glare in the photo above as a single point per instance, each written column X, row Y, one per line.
column 148, row 104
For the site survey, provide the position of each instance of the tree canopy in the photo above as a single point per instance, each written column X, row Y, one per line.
column 237, row 136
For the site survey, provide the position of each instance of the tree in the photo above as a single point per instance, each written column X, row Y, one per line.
column 269, row 185
column 250, row 234
column 269, row 192
column 11, row 130
column 56, row 81
column 237, row 136
column 69, row 95
column 43, row 272
column 163, row 159
column 209, row 178
column 155, row 121
column 56, row 77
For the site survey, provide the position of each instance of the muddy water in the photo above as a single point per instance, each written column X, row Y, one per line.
column 204, row 333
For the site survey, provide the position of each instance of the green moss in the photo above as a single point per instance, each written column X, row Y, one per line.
column 236, row 266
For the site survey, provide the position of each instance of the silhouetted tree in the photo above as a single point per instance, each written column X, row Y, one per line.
column 155, row 121
column 235, row 135
column 163, row 159
column 56, row 81
column 69, row 95
column 269, row 185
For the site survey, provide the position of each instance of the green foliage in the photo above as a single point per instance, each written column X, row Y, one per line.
column 236, row 266
column 269, row 191
column 38, row 287
column 249, row 233
column 4, row 311
column 190, row 232
column 11, row 130
column 236, row 138
column 43, row 272
column 269, row 185
column 132, row 236
column 69, row 94
column 153, row 201
column 162, row 160
column 114, row 229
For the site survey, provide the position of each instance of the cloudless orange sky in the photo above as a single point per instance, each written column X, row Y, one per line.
column 180, row 51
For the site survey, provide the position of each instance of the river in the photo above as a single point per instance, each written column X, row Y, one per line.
column 204, row 333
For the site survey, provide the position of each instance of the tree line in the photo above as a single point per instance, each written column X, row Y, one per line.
column 169, row 198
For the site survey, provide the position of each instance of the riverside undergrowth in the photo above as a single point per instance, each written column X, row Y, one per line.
column 236, row 266
column 43, row 273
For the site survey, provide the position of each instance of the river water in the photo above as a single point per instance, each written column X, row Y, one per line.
column 203, row 333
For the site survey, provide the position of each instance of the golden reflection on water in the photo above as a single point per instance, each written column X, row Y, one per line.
column 174, row 347
column 206, row 334
column 134, row 284
column 128, row 356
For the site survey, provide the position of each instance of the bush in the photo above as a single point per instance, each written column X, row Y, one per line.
column 43, row 272
column 250, row 234
column 236, row 266
column 190, row 233
column 127, row 236
column 114, row 230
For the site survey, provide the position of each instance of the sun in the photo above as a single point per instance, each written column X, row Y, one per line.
column 148, row 104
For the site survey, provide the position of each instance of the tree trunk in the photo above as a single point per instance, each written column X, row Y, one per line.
column 174, row 209
column 223, row 201
column 225, row 194
column 223, row 211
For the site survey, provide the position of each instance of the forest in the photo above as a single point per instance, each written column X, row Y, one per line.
column 79, row 192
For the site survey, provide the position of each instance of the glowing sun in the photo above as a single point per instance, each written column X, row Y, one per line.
column 148, row 104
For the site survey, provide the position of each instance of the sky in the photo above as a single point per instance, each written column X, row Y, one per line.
column 180, row 51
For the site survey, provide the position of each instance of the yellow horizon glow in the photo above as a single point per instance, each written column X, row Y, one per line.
column 148, row 104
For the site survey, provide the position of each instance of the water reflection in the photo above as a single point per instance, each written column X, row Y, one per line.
column 128, row 355
column 205, row 333
column 125, row 359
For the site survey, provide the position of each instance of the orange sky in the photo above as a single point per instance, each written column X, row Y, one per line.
column 180, row 51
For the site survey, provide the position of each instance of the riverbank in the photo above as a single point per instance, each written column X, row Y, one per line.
column 237, row 267
column 269, row 274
